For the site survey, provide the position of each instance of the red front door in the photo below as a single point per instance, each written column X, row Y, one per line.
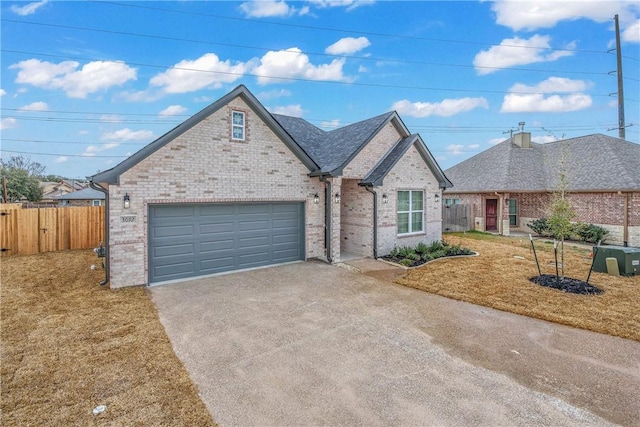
column 491, row 217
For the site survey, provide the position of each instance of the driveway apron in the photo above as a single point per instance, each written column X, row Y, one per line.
column 313, row 344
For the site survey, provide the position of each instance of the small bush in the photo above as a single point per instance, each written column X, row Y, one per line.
column 406, row 252
column 540, row 226
column 435, row 246
column 590, row 233
column 394, row 252
column 406, row 262
column 422, row 248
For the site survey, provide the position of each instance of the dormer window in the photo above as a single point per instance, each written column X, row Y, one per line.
column 237, row 125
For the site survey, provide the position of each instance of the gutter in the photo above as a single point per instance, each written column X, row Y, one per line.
column 106, row 229
column 369, row 188
column 327, row 217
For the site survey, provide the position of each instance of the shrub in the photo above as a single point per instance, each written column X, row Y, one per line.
column 406, row 262
column 406, row 252
column 540, row 226
column 435, row 246
column 394, row 252
column 422, row 248
column 590, row 233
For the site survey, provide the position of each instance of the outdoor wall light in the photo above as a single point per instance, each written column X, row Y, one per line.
column 437, row 198
column 337, row 197
column 316, row 198
column 385, row 199
column 126, row 201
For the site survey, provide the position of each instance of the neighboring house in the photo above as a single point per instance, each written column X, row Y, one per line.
column 512, row 183
column 235, row 187
column 85, row 197
column 52, row 190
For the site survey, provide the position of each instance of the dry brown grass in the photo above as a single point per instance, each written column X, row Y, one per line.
column 496, row 279
column 69, row 345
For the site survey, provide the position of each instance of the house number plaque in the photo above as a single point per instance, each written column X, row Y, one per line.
column 128, row 219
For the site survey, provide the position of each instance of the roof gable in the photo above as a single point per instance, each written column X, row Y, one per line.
column 376, row 176
column 112, row 175
column 592, row 163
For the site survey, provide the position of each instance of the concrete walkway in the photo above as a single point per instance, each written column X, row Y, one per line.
column 314, row 344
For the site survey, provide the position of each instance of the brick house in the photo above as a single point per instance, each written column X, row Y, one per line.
column 236, row 187
column 511, row 184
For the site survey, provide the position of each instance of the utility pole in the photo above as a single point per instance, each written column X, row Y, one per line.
column 621, row 124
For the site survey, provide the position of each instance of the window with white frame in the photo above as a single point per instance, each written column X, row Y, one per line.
column 449, row 202
column 410, row 212
column 96, row 202
column 238, row 125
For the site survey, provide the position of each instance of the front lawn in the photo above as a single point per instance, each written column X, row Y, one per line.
column 499, row 278
column 68, row 346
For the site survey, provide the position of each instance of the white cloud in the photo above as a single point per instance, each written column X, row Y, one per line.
column 531, row 15
column 60, row 159
column 110, row 118
column 553, row 84
column 91, row 150
column 206, row 71
column 495, row 141
column 35, row 106
column 288, row 110
column 28, row 9
column 348, row 4
column 77, row 83
column 270, row 8
column 293, row 64
column 444, row 108
column 8, row 123
column 458, row 149
column 538, row 103
column 524, row 98
column 127, row 134
column 273, row 94
column 3, row 92
column 348, row 45
column 517, row 51
column 330, row 124
column 632, row 33
column 543, row 139
column 173, row 110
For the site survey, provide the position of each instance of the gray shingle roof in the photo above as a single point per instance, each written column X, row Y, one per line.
column 593, row 163
column 321, row 151
column 334, row 149
column 84, row 194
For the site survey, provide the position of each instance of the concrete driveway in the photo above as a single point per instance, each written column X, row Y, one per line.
column 314, row 344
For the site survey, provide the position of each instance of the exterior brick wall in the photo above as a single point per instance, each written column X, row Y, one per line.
column 356, row 235
column 204, row 165
column 369, row 156
column 410, row 173
column 603, row 209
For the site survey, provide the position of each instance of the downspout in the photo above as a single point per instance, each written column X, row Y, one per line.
column 327, row 218
column 625, row 221
column 106, row 230
column 375, row 220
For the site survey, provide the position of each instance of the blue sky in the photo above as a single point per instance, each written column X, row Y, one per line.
column 85, row 84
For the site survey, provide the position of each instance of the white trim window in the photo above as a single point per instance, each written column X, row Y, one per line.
column 238, row 125
column 410, row 212
column 96, row 202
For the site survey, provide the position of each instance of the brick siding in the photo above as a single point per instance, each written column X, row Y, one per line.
column 204, row 165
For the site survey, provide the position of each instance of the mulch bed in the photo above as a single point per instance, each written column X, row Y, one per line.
column 566, row 284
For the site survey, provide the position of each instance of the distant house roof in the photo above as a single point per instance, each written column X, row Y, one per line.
column 85, row 194
column 592, row 163
column 323, row 152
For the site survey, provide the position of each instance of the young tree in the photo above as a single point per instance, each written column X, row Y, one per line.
column 561, row 213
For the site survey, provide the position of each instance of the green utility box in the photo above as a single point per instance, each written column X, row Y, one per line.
column 628, row 259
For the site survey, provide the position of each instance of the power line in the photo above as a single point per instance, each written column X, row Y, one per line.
column 339, row 30
column 365, row 58
column 342, row 83
column 86, row 156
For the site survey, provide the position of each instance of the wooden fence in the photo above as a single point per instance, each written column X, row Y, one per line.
column 456, row 218
column 29, row 231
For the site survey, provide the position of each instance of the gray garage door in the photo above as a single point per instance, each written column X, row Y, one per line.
column 197, row 239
